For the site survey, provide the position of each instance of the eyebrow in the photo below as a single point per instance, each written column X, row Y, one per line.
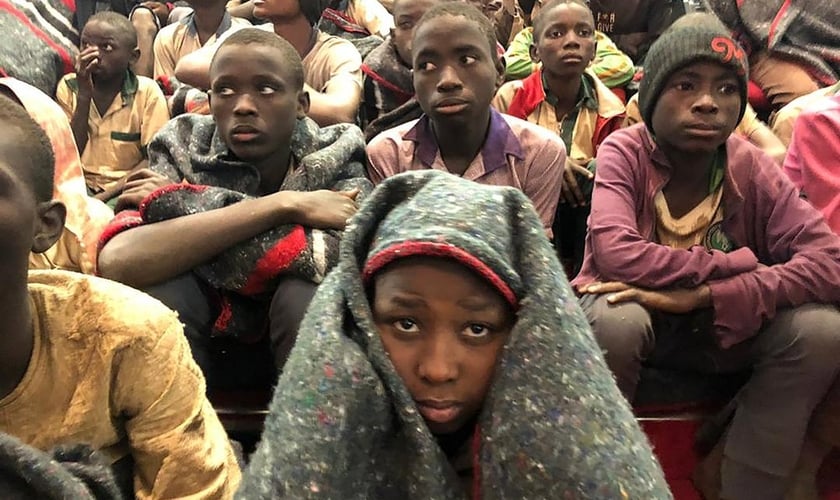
column 406, row 301
column 475, row 304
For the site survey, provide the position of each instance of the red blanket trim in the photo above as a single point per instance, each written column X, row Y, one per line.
column 776, row 20
column 275, row 260
column 385, row 83
column 66, row 60
column 344, row 22
column 157, row 193
column 526, row 99
column 123, row 221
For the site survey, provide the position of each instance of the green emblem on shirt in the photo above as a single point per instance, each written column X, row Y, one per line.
column 716, row 239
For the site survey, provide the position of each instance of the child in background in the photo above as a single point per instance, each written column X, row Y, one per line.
column 89, row 361
column 113, row 112
column 428, row 365
column 569, row 100
column 701, row 256
column 456, row 73
column 207, row 22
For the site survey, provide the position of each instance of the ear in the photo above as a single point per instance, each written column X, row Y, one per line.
column 534, row 52
column 594, row 49
column 500, row 71
column 48, row 226
column 303, row 104
column 391, row 35
column 135, row 55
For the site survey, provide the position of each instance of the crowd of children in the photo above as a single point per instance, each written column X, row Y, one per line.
column 228, row 196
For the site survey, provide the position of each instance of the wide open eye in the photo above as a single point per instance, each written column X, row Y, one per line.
column 406, row 325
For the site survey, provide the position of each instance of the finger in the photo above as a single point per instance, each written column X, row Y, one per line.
column 571, row 188
column 579, row 199
column 606, row 287
column 351, row 194
column 629, row 295
column 579, row 169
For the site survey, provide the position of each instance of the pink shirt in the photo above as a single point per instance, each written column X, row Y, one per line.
column 515, row 153
column 813, row 159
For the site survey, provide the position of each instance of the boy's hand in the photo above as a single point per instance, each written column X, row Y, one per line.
column 569, row 190
column 676, row 301
column 137, row 186
column 325, row 209
column 86, row 63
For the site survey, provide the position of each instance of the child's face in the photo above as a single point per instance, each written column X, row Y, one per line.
column 444, row 329
column 253, row 100
column 406, row 15
column 566, row 41
column 115, row 55
column 488, row 7
column 455, row 72
column 276, row 9
column 25, row 223
column 698, row 108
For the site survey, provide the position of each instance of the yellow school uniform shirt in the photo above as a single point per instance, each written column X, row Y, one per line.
column 176, row 40
column 111, row 368
column 118, row 138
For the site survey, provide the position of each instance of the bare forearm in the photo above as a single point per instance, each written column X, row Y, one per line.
column 79, row 123
column 329, row 108
column 154, row 253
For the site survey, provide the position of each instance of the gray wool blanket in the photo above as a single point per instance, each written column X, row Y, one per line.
column 189, row 151
column 342, row 425
column 806, row 30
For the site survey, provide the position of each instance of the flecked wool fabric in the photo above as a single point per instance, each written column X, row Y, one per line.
column 554, row 425
column 693, row 38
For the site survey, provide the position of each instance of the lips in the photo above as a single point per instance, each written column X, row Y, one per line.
column 244, row 133
column 571, row 58
column 439, row 411
column 450, row 106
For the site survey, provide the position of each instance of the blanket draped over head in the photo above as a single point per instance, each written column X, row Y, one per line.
column 554, row 425
column 189, row 150
column 805, row 30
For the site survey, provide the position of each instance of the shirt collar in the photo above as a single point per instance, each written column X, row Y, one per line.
column 499, row 143
column 127, row 92
column 192, row 29
column 587, row 96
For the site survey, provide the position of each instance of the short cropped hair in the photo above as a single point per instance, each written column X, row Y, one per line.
column 289, row 56
column 539, row 21
column 127, row 33
column 467, row 11
column 34, row 145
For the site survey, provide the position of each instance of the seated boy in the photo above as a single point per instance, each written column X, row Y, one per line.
column 86, row 217
column 750, row 127
column 113, row 112
column 812, row 160
column 614, row 68
column 428, row 365
column 456, row 72
column 331, row 65
column 93, row 362
column 701, row 256
column 566, row 98
column 239, row 247
column 208, row 21
column 388, row 82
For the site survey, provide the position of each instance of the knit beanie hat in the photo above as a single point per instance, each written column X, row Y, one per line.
column 313, row 9
column 692, row 38
column 436, row 224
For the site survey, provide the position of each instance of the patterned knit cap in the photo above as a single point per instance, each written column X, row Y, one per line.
column 692, row 38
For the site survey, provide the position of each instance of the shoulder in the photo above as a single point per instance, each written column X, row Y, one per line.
column 336, row 47
column 240, row 22
column 94, row 310
column 148, row 87
column 391, row 136
column 168, row 32
column 530, row 134
column 510, row 88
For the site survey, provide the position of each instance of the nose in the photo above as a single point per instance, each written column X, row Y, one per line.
column 438, row 363
column 244, row 104
column 449, row 79
column 571, row 40
column 705, row 103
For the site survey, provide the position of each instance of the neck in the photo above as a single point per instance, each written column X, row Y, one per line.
column 273, row 170
column 459, row 144
column 297, row 31
column 16, row 337
column 564, row 88
column 207, row 20
column 689, row 171
column 109, row 85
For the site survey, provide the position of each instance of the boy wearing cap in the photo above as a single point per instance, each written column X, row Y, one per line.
column 713, row 262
